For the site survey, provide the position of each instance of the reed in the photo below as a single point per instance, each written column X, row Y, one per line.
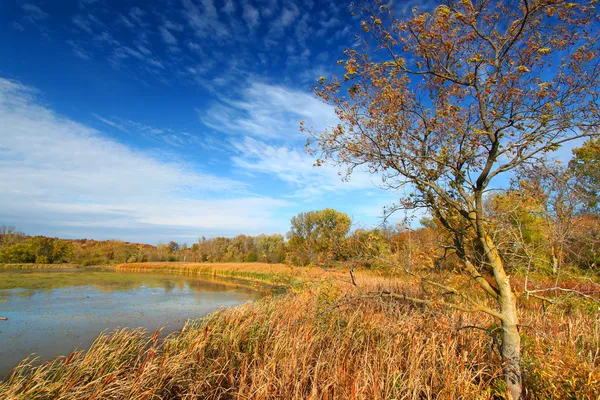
column 274, row 274
column 324, row 342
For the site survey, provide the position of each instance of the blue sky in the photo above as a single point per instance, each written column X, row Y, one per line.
column 168, row 120
column 157, row 120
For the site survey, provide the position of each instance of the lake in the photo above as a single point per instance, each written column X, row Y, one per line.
column 53, row 312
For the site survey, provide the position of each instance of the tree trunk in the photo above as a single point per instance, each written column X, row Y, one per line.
column 511, row 340
column 557, row 258
column 511, row 345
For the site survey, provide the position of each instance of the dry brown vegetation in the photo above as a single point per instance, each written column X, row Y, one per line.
column 277, row 274
column 327, row 341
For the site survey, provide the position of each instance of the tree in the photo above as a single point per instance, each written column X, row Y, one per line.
column 17, row 253
column 555, row 187
column 10, row 236
column 584, row 243
column 586, row 166
column 270, row 248
column 317, row 236
column 448, row 101
column 173, row 246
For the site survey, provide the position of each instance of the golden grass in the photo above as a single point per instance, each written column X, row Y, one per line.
column 325, row 342
column 277, row 274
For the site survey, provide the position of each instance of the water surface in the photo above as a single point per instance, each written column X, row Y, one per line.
column 53, row 312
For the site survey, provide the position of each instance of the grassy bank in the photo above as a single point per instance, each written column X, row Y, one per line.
column 38, row 266
column 273, row 274
column 326, row 342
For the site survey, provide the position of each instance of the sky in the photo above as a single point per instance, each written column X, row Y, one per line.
column 152, row 121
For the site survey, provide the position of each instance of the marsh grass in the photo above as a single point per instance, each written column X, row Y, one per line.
column 273, row 274
column 325, row 342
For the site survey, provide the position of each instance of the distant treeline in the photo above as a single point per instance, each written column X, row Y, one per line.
column 315, row 237
column 532, row 237
column 17, row 247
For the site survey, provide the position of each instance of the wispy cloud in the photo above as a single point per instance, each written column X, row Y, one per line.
column 269, row 111
column 114, row 124
column 228, row 7
column 83, row 24
column 264, row 120
column 137, row 15
column 167, row 36
column 57, row 173
column 203, row 18
column 251, row 15
column 293, row 166
column 33, row 12
column 173, row 26
column 268, row 37
column 288, row 15
column 78, row 50
column 166, row 135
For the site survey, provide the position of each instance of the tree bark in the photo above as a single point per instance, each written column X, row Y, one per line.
column 511, row 339
column 511, row 344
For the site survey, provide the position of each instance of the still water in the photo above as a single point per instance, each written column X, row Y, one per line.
column 53, row 312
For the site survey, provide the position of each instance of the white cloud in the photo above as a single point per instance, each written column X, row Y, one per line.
column 78, row 50
column 264, row 121
column 303, row 30
column 83, row 24
column 106, row 37
column 125, row 21
column 204, row 20
column 116, row 125
column 269, row 111
column 173, row 26
column 288, row 15
column 285, row 19
column 251, row 15
column 34, row 13
column 295, row 167
column 137, row 14
column 167, row 36
column 166, row 135
column 229, row 7
column 59, row 174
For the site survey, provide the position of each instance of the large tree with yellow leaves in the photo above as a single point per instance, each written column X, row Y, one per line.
column 450, row 100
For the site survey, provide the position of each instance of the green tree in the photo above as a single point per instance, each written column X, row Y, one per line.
column 270, row 248
column 318, row 236
column 17, row 253
column 586, row 167
column 50, row 250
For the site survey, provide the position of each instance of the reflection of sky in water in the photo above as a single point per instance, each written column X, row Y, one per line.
column 51, row 322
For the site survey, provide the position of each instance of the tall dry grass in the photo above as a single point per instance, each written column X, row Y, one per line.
column 275, row 274
column 325, row 342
